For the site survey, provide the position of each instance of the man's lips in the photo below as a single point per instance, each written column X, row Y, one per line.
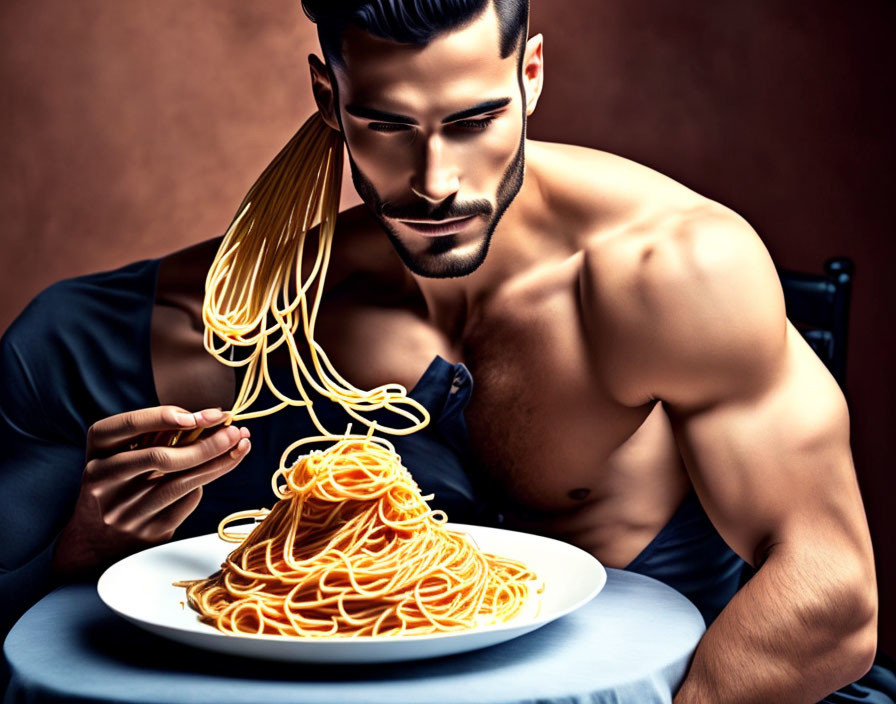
column 437, row 228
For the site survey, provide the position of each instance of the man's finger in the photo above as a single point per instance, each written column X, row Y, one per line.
column 163, row 459
column 155, row 527
column 169, row 519
column 172, row 489
column 148, row 507
column 121, row 430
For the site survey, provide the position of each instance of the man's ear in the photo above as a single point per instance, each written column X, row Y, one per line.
column 533, row 71
column 323, row 91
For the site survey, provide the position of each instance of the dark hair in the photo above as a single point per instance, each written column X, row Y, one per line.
column 410, row 21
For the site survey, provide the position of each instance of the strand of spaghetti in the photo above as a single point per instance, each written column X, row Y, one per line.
column 239, row 516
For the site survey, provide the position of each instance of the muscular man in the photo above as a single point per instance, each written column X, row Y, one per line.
column 639, row 390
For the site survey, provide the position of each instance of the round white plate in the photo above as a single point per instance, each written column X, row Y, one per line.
column 140, row 589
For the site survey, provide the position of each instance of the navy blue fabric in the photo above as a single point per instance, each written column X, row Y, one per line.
column 876, row 687
column 80, row 352
column 689, row 555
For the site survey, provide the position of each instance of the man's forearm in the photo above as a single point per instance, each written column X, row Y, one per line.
column 800, row 629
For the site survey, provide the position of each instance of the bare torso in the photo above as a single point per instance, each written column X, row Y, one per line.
column 573, row 448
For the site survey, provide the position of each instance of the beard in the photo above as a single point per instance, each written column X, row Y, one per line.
column 448, row 256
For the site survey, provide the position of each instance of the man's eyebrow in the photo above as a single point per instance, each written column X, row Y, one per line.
column 477, row 109
column 384, row 116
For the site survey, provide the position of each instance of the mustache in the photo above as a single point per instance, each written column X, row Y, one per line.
column 449, row 210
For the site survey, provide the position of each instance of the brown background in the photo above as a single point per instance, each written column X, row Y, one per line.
column 130, row 129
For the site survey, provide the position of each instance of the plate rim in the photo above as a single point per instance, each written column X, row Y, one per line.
column 208, row 631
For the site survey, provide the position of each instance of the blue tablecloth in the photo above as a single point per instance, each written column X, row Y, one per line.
column 632, row 643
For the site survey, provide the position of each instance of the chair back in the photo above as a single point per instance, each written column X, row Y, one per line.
column 818, row 306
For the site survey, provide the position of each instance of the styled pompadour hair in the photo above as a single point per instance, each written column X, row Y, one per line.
column 411, row 21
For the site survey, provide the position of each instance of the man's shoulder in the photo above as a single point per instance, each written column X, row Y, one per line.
column 134, row 277
column 61, row 358
column 627, row 212
column 677, row 287
column 84, row 305
column 667, row 243
column 593, row 190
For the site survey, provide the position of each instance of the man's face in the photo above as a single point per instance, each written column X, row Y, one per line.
column 435, row 138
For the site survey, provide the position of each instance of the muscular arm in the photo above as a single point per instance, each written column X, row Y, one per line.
column 764, row 432
column 774, row 471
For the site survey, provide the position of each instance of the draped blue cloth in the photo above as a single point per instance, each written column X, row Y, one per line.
column 607, row 652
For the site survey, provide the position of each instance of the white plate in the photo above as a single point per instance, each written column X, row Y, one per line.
column 140, row 589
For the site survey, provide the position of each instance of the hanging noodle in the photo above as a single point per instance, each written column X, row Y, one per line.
column 256, row 298
column 351, row 548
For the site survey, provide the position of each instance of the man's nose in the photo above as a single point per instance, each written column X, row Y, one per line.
column 435, row 178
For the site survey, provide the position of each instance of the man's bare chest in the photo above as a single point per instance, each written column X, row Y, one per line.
column 543, row 426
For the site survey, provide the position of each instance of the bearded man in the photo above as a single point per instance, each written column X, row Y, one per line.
column 639, row 390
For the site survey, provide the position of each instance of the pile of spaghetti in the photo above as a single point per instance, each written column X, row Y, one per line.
column 352, row 549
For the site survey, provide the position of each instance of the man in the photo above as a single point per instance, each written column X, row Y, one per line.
column 627, row 337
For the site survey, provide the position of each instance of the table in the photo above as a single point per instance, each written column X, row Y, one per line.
column 632, row 643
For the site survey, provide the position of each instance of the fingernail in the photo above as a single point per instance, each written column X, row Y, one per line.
column 241, row 449
column 187, row 420
column 212, row 414
column 245, row 432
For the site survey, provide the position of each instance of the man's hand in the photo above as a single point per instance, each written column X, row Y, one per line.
column 134, row 495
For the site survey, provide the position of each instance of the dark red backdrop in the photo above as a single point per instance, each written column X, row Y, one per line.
column 131, row 129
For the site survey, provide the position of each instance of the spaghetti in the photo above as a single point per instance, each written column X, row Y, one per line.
column 352, row 549
column 257, row 295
